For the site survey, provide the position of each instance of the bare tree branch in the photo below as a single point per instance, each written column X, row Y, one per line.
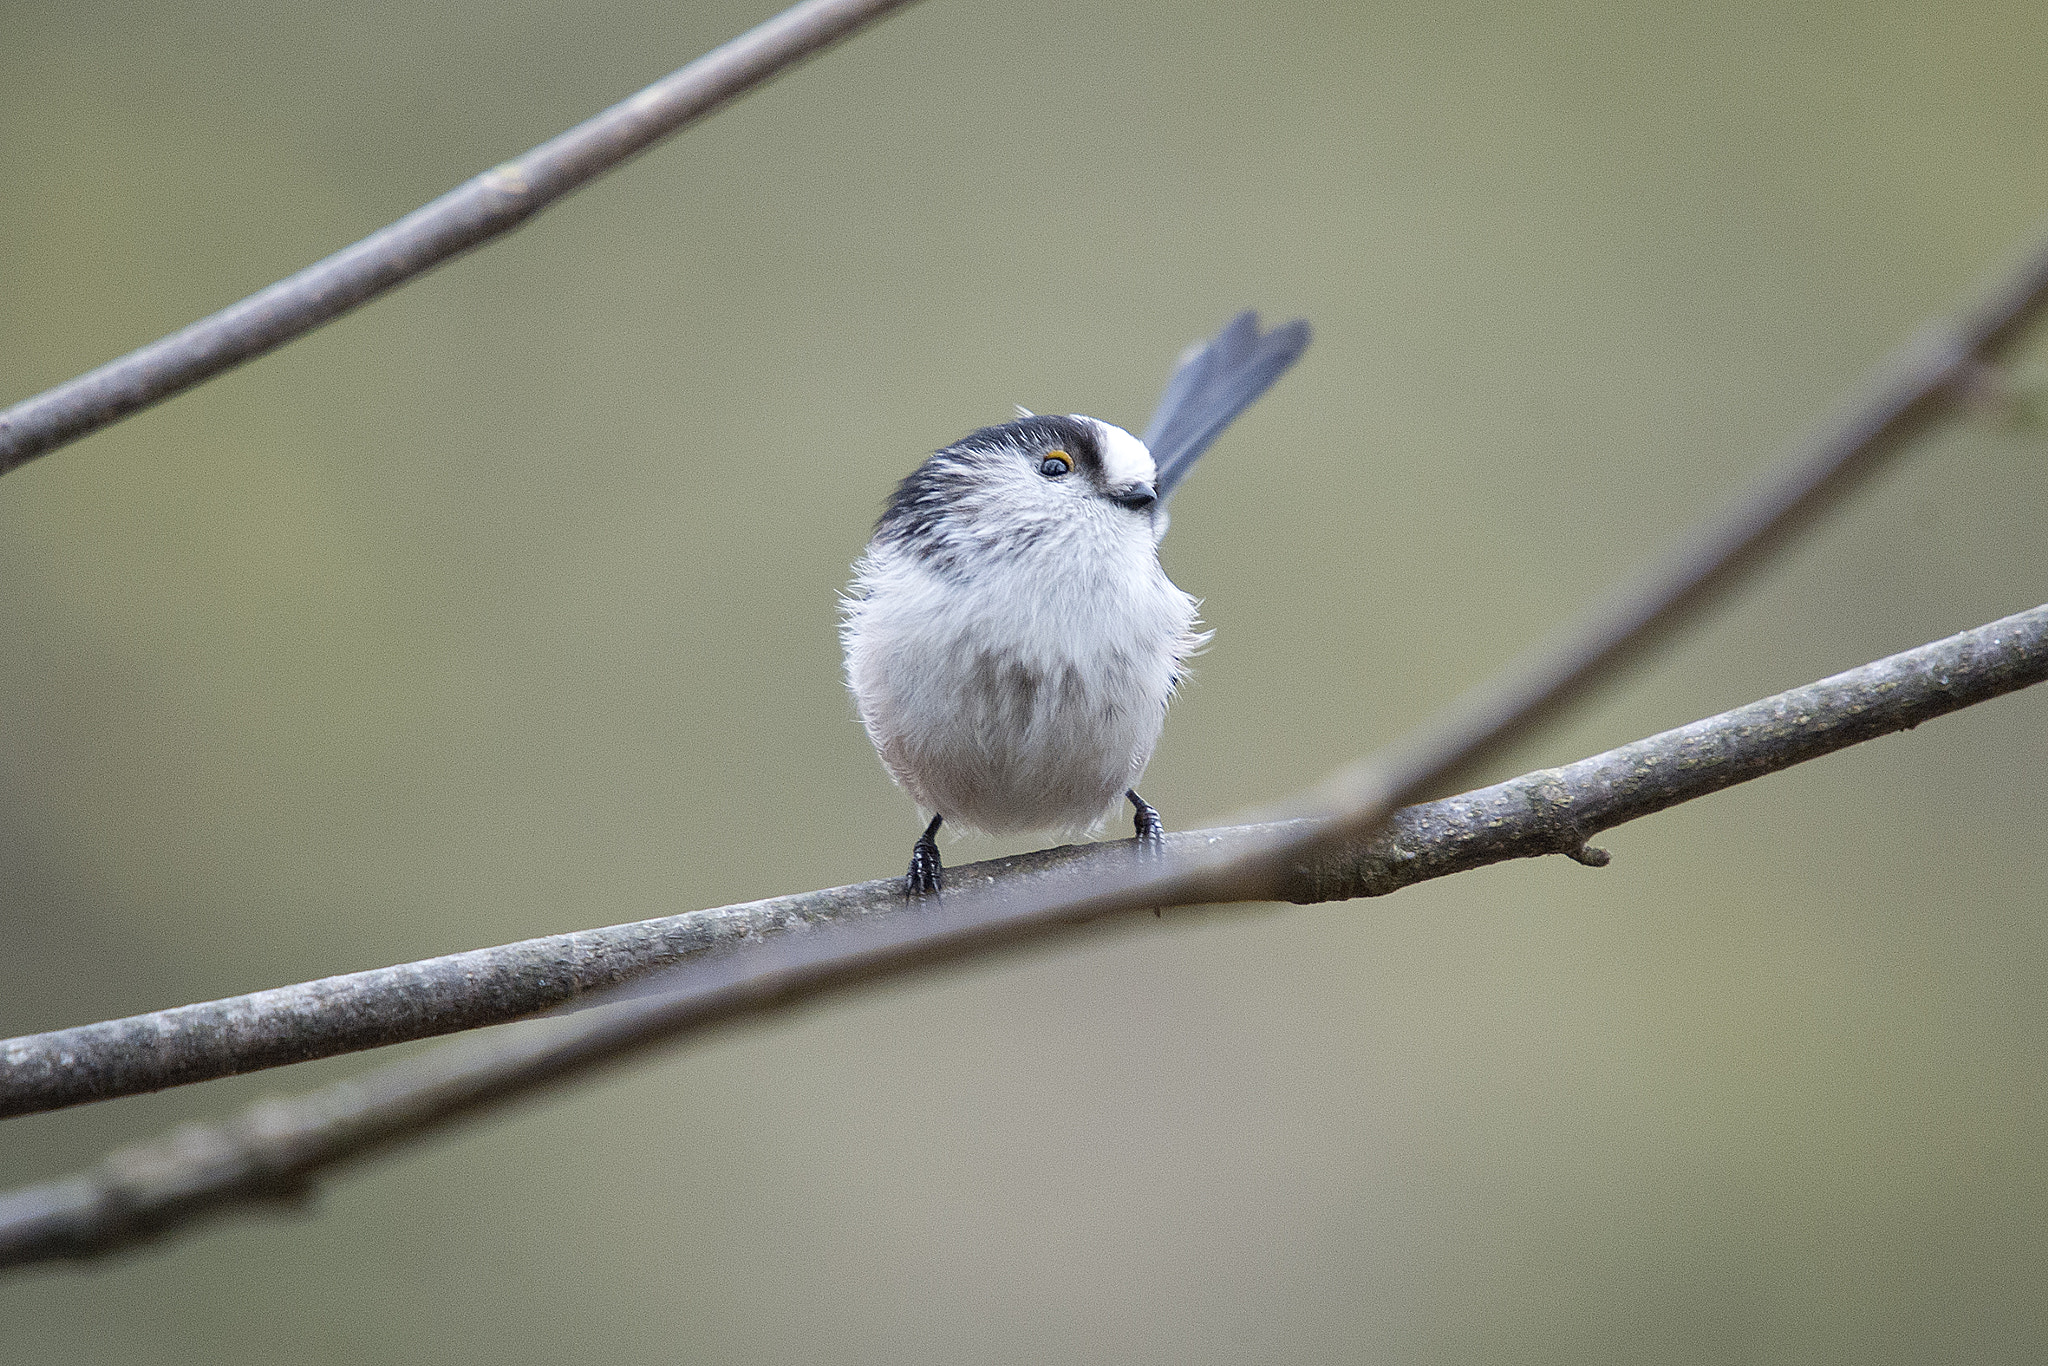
column 491, row 986
column 1913, row 388
column 277, row 1150
column 467, row 216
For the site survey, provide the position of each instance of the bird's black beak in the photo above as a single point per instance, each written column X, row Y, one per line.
column 1136, row 497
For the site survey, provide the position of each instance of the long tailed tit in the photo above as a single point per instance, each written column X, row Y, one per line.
column 1011, row 640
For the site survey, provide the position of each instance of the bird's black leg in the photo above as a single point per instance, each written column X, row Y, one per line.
column 1151, row 830
column 926, row 873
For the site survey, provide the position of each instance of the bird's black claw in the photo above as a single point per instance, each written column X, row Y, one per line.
column 1151, row 831
column 927, row 875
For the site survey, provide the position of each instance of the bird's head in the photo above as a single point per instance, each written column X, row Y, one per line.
column 1009, row 487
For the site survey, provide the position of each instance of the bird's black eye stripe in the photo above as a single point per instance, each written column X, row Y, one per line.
column 1055, row 464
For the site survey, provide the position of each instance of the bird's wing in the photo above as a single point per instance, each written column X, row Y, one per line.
column 1216, row 381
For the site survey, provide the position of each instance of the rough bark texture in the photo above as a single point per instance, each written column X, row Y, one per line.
column 1556, row 810
column 360, row 1010
column 276, row 1152
column 1552, row 811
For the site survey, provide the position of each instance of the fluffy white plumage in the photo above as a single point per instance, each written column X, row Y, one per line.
column 1013, row 666
column 1011, row 640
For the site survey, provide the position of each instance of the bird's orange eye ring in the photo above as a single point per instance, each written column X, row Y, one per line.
column 1055, row 464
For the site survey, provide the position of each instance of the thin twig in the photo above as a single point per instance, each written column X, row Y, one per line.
column 277, row 1150
column 470, row 214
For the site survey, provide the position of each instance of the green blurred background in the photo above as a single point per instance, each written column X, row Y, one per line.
column 506, row 607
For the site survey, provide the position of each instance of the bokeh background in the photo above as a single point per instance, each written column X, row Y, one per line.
column 506, row 607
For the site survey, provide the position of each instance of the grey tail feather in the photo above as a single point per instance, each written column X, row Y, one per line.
column 1213, row 384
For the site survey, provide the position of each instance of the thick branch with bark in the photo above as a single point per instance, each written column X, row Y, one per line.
column 489, row 986
column 467, row 216
column 735, row 962
column 277, row 1150
column 865, row 932
column 1517, row 819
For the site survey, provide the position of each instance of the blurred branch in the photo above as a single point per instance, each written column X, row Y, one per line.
column 491, row 986
column 276, row 1150
column 469, row 215
column 1909, row 391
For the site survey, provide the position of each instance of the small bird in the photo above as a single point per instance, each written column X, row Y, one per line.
column 1011, row 640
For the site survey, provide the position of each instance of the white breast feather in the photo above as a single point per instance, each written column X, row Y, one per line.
column 1031, row 698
